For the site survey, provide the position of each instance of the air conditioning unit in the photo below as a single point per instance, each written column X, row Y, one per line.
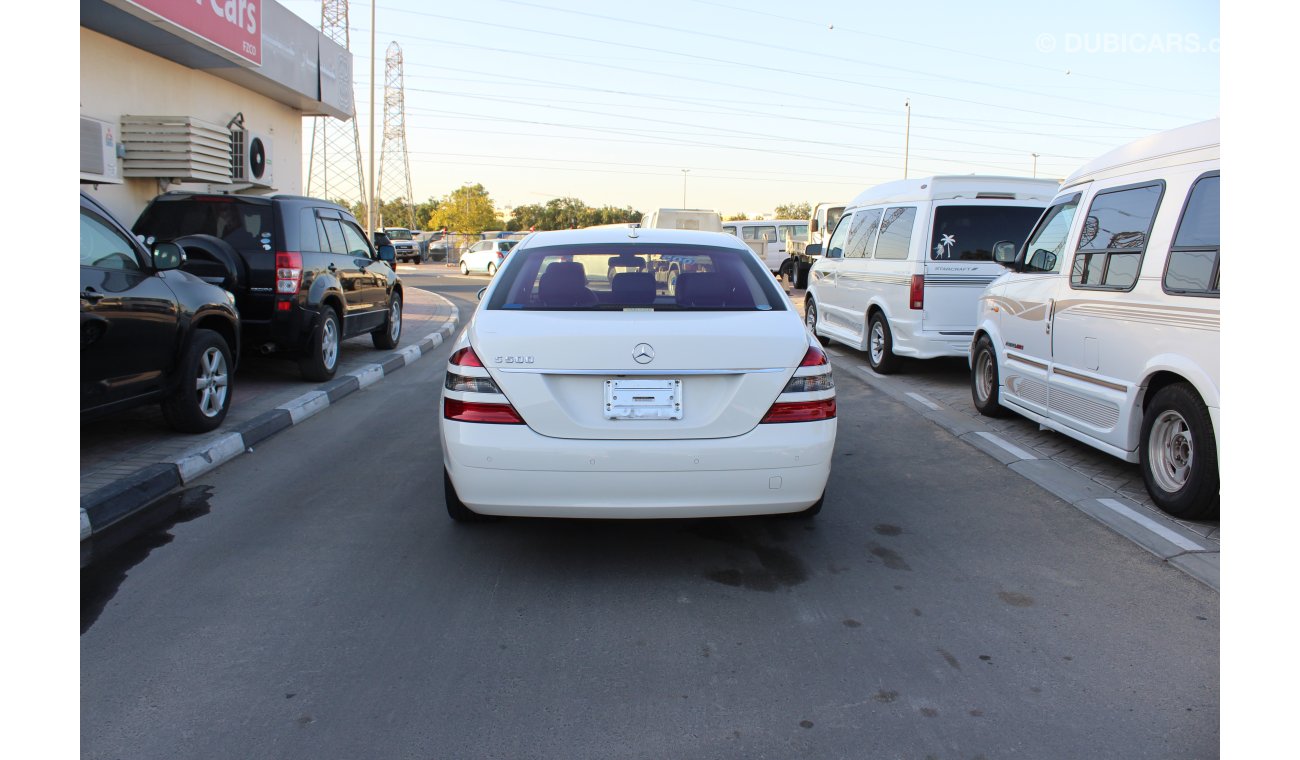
column 99, row 152
column 251, row 157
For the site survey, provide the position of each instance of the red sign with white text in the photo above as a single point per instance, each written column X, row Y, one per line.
column 235, row 25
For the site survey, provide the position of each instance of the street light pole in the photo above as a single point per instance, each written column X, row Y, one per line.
column 907, row 135
column 684, row 173
column 1035, row 155
column 370, row 206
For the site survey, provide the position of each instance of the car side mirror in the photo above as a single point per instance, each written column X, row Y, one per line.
column 168, row 256
column 1004, row 253
column 813, row 250
column 388, row 253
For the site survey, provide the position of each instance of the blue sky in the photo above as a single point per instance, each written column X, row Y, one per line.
column 768, row 103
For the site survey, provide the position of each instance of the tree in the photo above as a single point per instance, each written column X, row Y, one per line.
column 737, row 217
column 466, row 209
column 801, row 210
column 568, row 213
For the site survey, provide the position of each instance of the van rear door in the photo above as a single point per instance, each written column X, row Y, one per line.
column 959, row 261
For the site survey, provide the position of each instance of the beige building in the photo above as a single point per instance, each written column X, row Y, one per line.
column 207, row 96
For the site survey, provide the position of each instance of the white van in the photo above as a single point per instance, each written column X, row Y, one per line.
column 769, row 239
column 1107, row 329
column 902, row 271
column 683, row 219
column 820, row 224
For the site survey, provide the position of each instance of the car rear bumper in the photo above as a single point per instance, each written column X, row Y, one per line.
column 510, row 470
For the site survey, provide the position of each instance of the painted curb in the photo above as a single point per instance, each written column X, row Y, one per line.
column 110, row 504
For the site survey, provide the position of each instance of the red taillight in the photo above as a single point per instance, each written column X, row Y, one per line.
column 916, row 299
column 470, row 411
column 801, row 411
column 465, row 357
column 814, row 358
column 288, row 273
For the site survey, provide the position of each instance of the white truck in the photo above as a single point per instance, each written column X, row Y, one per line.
column 820, row 226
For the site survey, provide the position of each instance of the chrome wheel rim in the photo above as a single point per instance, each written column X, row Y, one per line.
column 984, row 376
column 877, row 342
column 395, row 319
column 492, row 269
column 464, row 268
column 1170, row 451
column 811, row 318
column 329, row 343
column 213, row 383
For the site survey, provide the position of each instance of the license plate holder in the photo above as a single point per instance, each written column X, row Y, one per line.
column 643, row 399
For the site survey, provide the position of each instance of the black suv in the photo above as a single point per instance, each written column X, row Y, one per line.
column 150, row 332
column 303, row 273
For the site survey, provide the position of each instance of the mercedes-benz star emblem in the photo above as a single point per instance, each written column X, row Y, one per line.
column 644, row 353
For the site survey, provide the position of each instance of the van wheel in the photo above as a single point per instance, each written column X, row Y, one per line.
column 984, row 381
column 456, row 509
column 880, row 346
column 1179, row 457
column 786, row 273
column 322, row 357
column 810, row 319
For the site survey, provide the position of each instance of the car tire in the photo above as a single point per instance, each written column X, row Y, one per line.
column 985, row 383
column 801, row 276
column 784, row 273
column 204, row 385
column 1178, row 454
column 389, row 334
column 810, row 318
column 322, row 358
column 491, row 269
column 880, row 345
column 456, row 509
column 464, row 268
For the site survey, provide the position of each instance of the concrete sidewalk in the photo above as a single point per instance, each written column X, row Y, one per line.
column 129, row 460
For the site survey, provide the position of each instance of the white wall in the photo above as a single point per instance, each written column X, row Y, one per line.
column 118, row 79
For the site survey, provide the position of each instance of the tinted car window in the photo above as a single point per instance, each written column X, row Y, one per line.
column 333, row 232
column 1194, row 259
column 241, row 224
column 102, row 246
column 1114, row 237
column 895, row 240
column 356, row 242
column 967, row 233
column 656, row 278
column 862, row 236
column 1043, row 252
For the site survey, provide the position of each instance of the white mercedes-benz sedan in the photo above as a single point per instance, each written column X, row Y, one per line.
column 635, row 373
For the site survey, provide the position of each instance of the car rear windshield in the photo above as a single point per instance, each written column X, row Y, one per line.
column 243, row 225
column 967, row 233
column 635, row 277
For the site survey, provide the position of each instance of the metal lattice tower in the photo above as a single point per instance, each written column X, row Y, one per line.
column 335, row 169
column 394, row 163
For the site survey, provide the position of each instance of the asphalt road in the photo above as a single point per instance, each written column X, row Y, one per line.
column 312, row 600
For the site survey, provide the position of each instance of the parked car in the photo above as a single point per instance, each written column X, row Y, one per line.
column 572, row 395
column 406, row 247
column 151, row 332
column 304, row 275
column 1106, row 329
column 769, row 239
column 486, row 256
column 907, row 261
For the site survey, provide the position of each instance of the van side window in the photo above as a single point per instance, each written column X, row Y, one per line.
column 1047, row 241
column 895, row 240
column 1193, row 266
column 1114, row 237
column 862, row 236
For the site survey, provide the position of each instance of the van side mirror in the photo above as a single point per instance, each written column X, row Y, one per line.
column 388, row 253
column 1004, row 252
column 168, row 256
column 1041, row 261
column 815, row 249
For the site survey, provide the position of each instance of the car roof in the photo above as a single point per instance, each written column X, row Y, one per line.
column 1189, row 144
column 648, row 236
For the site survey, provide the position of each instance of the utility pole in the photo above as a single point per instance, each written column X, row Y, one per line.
column 907, row 135
column 370, row 215
column 684, row 173
column 1035, row 155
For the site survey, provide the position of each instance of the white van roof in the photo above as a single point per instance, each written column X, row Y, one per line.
column 1195, row 142
column 958, row 186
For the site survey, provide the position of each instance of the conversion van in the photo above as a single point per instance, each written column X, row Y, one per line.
column 770, row 239
column 683, row 219
column 1106, row 329
column 901, row 273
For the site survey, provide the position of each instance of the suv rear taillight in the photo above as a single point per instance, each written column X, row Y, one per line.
column 288, row 273
column 916, row 298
